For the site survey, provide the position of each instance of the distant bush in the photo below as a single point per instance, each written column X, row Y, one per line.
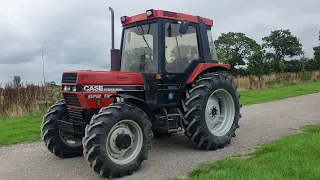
column 276, row 80
column 20, row 100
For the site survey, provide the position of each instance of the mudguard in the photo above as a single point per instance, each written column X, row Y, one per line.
column 139, row 103
column 205, row 67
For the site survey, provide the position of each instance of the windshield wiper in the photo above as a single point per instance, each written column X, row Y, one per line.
column 142, row 34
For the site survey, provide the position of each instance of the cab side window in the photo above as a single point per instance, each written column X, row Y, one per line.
column 181, row 49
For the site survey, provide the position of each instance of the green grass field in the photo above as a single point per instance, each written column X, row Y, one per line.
column 267, row 95
column 20, row 130
column 27, row 129
column 291, row 157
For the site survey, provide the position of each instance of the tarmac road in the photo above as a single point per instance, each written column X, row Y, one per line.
column 172, row 157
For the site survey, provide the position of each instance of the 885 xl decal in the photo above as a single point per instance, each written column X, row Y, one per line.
column 98, row 96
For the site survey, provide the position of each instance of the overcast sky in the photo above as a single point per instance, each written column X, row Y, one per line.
column 76, row 33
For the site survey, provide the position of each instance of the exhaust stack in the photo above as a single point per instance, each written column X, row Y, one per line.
column 112, row 27
column 115, row 53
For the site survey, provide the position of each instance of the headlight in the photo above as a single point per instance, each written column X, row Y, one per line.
column 67, row 88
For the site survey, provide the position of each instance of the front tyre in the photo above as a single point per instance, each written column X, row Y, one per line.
column 117, row 140
column 54, row 138
column 211, row 109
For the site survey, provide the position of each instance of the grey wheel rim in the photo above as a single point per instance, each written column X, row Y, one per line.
column 124, row 156
column 68, row 141
column 220, row 112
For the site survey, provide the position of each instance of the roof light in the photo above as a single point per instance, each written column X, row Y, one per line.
column 123, row 19
column 149, row 13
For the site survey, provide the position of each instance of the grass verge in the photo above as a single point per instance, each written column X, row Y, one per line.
column 18, row 130
column 291, row 157
column 266, row 95
column 27, row 129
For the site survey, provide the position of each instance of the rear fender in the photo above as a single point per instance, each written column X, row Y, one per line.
column 139, row 103
column 207, row 67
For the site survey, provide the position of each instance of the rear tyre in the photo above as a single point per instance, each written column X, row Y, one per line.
column 53, row 137
column 117, row 140
column 211, row 109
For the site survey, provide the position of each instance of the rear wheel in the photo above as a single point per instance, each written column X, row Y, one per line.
column 211, row 110
column 117, row 140
column 56, row 140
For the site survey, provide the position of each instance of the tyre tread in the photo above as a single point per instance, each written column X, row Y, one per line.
column 192, row 110
column 91, row 140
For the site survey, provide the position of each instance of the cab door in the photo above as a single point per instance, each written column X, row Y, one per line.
column 180, row 58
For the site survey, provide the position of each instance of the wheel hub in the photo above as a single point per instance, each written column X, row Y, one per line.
column 219, row 113
column 214, row 112
column 123, row 141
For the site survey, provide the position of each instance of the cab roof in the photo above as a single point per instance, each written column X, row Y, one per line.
column 163, row 14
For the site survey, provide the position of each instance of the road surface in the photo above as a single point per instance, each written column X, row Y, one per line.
column 172, row 157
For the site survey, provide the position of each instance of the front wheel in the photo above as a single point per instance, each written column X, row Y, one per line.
column 211, row 110
column 117, row 140
column 54, row 138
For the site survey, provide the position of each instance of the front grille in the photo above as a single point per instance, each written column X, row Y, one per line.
column 75, row 115
column 71, row 99
column 69, row 78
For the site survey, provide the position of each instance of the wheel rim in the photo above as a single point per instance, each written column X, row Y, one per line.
column 124, row 129
column 68, row 141
column 219, row 113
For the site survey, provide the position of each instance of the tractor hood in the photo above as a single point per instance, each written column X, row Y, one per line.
column 87, row 77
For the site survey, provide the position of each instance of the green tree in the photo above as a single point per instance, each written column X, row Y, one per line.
column 16, row 81
column 282, row 65
column 234, row 47
column 187, row 51
column 316, row 57
column 279, row 45
column 257, row 64
column 133, row 57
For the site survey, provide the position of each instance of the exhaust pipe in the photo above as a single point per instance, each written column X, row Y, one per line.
column 112, row 27
column 114, row 53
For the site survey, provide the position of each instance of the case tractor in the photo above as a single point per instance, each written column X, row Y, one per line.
column 164, row 79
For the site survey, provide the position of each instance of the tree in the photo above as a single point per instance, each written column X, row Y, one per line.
column 282, row 44
column 295, row 65
column 132, row 58
column 257, row 64
column 16, row 81
column 187, row 51
column 234, row 47
column 316, row 57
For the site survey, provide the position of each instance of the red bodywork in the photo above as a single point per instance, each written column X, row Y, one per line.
column 166, row 15
column 106, row 78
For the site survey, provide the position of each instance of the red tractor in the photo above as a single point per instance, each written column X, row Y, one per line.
column 164, row 79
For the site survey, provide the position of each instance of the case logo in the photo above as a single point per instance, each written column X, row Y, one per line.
column 100, row 88
column 93, row 88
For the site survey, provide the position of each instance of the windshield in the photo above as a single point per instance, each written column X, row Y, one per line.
column 140, row 49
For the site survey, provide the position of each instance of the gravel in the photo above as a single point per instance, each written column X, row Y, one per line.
column 174, row 156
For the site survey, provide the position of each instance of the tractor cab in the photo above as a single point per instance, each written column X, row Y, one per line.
column 165, row 47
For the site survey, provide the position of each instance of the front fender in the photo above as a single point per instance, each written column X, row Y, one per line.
column 139, row 103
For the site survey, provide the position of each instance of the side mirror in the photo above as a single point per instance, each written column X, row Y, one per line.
column 183, row 29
